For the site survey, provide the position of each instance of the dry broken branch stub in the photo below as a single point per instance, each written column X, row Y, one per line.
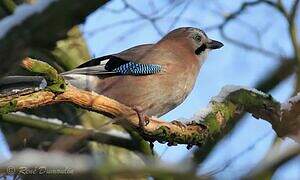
column 222, row 109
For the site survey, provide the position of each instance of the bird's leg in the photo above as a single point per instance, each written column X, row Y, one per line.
column 142, row 120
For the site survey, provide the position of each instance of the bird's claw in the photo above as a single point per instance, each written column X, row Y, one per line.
column 189, row 146
column 180, row 124
column 142, row 120
column 202, row 124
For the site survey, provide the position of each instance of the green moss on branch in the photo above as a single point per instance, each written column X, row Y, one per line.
column 8, row 107
column 55, row 82
column 8, row 5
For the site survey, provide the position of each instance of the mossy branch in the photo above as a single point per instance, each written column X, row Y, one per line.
column 55, row 82
column 222, row 110
column 8, row 5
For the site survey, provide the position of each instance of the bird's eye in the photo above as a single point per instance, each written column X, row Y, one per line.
column 197, row 38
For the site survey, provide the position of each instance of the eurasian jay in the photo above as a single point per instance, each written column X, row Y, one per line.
column 154, row 77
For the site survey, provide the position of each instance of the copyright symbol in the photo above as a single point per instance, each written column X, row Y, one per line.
column 10, row 170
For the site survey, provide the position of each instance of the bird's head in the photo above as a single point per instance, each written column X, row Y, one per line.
column 201, row 42
column 197, row 40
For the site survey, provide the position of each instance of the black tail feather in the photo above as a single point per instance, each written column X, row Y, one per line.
column 19, row 84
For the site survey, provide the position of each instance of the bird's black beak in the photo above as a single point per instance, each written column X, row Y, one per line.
column 213, row 44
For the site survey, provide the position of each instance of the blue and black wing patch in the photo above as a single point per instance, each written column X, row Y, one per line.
column 132, row 68
column 125, row 67
column 115, row 65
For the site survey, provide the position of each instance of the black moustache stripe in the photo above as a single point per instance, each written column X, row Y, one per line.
column 200, row 49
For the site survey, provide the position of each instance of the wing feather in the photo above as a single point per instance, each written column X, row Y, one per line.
column 124, row 63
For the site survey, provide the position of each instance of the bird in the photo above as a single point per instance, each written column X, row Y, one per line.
column 156, row 78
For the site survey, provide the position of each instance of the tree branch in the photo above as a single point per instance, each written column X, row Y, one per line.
column 8, row 5
column 284, row 70
column 39, row 25
column 221, row 111
column 65, row 129
column 268, row 166
column 41, row 164
column 294, row 9
column 294, row 39
column 242, row 44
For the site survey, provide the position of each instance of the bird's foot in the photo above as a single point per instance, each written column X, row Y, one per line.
column 200, row 123
column 142, row 120
column 180, row 124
